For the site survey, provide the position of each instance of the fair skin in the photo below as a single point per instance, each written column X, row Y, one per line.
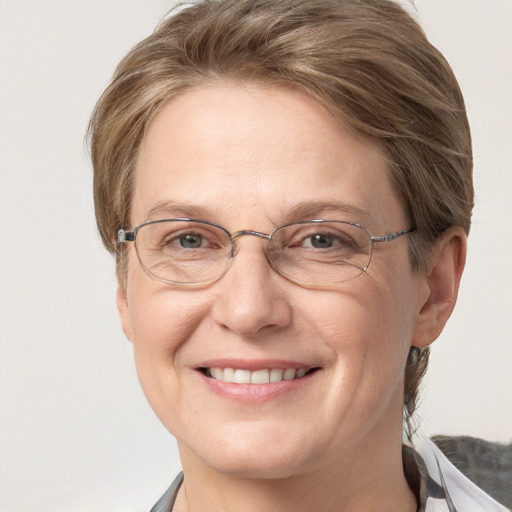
column 245, row 157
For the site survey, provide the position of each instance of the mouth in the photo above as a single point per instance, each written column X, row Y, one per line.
column 261, row 376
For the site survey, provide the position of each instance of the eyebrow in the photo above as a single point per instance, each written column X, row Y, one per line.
column 178, row 210
column 306, row 210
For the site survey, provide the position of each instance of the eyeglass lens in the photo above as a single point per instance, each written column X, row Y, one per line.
column 316, row 253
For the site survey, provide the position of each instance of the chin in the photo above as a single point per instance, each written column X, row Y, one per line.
column 245, row 453
column 254, row 466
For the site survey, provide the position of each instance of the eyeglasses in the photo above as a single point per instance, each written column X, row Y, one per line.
column 310, row 253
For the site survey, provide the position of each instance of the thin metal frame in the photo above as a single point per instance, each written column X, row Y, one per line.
column 130, row 236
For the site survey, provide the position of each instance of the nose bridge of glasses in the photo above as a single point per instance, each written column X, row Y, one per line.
column 249, row 232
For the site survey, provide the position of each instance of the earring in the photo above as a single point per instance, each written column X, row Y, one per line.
column 414, row 355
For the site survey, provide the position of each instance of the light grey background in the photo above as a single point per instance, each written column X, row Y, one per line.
column 75, row 431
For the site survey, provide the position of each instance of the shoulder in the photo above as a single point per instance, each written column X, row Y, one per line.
column 460, row 493
column 166, row 502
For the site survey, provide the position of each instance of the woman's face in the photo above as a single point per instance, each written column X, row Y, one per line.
column 246, row 158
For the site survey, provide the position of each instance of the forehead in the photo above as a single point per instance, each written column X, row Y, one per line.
column 245, row 151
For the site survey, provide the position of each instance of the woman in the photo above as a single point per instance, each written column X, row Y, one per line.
column 251, row 159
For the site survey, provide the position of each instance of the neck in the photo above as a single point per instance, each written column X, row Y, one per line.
column 365, row 478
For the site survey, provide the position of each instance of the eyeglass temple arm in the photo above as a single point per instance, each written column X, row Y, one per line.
column 125, row 236
column 391, row 236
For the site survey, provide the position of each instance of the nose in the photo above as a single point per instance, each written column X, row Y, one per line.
column 251, row 296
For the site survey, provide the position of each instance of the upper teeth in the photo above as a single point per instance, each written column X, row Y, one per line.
column 256, row 377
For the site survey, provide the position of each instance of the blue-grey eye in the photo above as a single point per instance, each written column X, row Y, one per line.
column 191, row 241
column 321, row 241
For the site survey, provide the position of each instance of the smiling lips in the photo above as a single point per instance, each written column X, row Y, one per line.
column 264, row 376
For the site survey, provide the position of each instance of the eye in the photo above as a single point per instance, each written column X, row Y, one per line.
column 190, row 241
column 325, row 241
column 183, row 240
column 319, row 241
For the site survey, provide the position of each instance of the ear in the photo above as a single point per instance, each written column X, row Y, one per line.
column 442, row 280
column 124, row 311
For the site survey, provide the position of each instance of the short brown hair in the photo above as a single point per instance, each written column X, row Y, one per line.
column 367, row 61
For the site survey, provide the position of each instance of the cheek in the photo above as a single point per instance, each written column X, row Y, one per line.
column 162, row 319
column 368, row 328
column 368, row 335
column 364, row 319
